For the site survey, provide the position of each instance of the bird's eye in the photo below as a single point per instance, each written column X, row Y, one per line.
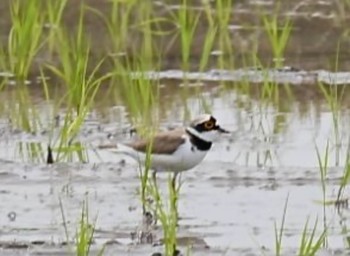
column 209, row 125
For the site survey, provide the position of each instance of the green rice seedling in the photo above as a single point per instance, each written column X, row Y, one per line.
column 82, row 85
column 224, row 10
column 149, row 55
column 132, row 19
column 118, row 23
column 55, row 10
column 3, row 62
column 323, row 164
column 186, row 19
column 207, row 47
column 84, row 234
column 25, row 37
column 139, row 94
column 344, row 179
column 279, row 232
column 342, row 8
column 278, row 35
column 310, row 244
column 64, row 222
column 210, row 37
column 140, row 97
column 73, row 55
column 141, row 101
column 143, row 175
column 67, row 146
column 167, row 215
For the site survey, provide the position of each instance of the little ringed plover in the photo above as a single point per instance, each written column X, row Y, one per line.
column 176, row 150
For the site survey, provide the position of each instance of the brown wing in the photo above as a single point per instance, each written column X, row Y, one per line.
column 164, row 143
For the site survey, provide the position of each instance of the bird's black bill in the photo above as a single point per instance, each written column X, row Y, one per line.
column 221, row 130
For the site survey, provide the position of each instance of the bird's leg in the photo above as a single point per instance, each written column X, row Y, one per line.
column 143, row 199
column 148, row 216
column 154, row 179
column 175, row 196
column 155, row 184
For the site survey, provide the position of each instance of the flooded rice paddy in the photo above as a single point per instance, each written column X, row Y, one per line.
column 230, row 203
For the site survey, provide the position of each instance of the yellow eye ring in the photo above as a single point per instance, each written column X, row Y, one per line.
column 209, row 125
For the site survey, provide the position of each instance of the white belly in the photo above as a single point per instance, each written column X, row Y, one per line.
column 185, row 158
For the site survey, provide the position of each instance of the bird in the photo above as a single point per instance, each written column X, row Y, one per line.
column 176, row 150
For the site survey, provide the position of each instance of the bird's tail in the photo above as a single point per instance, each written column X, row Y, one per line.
column 117, row 148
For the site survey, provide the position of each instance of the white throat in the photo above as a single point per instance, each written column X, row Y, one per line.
column 199, row 135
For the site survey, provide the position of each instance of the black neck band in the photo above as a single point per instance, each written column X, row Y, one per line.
column 199, row 143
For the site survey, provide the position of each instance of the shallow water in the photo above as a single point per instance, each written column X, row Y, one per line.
column 230, row 202
column 246, row 178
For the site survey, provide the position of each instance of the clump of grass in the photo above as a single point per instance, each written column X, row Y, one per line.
column 344, row 180
column 310, row 244
column 119, row 23
column 84, row 234
column 82, row 85
column 55, row 10
column 25, row 37
column 210, row 37
column 74, row 54
column 167, row 214
column 186, row 20
column 143, row 174
column 279, row 232
column 224, row 10
column 141, row 96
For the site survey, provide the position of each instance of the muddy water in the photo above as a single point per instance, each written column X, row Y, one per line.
column 319, row 36
column 230, row 202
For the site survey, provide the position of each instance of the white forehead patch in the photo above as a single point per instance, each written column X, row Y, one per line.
column 201, row 119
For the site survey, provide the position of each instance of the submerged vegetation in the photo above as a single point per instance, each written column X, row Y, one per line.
column 76, row 67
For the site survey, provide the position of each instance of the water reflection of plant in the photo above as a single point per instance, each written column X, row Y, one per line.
column 334, row 95
column 135, row 19
column 323, row 163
